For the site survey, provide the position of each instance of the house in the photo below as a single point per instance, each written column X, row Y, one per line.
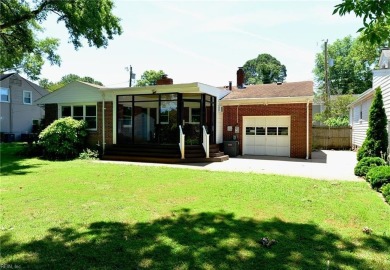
column 19, row 114
column 188, row 118
column 359, row 109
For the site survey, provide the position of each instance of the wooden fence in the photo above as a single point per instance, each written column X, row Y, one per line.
column 332, row 138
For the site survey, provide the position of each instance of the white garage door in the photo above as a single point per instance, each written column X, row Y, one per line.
column 266, row 135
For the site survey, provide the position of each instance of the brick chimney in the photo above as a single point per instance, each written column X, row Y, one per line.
column 164, row 80
column 240, row 78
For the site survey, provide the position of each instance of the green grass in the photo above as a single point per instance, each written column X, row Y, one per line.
column 88, row 215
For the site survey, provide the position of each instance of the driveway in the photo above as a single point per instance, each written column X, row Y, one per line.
column 324, row 165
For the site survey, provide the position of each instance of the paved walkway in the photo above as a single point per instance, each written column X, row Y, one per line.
column 325, row 165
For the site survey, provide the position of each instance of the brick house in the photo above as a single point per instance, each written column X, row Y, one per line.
column 274, row 117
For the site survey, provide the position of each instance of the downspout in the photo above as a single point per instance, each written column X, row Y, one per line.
column 104, row 124
column 307, row 130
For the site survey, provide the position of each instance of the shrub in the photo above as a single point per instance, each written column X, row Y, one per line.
column 89, row 154
column 365, row 164
column 386, row 192
column 378, row 176
column 63, row 139
column 375, row 144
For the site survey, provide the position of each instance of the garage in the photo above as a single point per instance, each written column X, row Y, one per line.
column 266, row 135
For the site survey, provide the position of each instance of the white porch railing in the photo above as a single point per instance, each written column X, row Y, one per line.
column 182, row 143
column 206, row 142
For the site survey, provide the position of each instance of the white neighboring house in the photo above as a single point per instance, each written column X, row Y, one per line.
column 359, row 109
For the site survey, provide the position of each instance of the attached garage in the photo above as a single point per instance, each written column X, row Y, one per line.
column 266, row 135
column 270, row 119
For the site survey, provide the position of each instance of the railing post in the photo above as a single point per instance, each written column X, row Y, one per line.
column 182, row 143
column 206, row 142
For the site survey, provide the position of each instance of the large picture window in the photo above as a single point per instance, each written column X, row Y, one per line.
column 4, row 92
column 81, row 112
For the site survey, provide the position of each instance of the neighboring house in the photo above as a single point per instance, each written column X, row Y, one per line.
column 18, row 111
column 277, row 117
column 359, row 110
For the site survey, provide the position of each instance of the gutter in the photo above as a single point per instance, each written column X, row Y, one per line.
column 104, row 124
column 307, row 130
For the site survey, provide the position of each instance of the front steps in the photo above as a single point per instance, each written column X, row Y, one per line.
column 157, row 153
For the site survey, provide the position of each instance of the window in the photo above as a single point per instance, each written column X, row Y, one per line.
column 260, row 131
column 283, row 131
column 127, row 116
column 27, row 97
column 4, row 92
column 164, row 117
column 195, row 115
column 81, row 112
column 250, row 131
column 271, row 130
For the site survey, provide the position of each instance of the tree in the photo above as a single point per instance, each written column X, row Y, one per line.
column 337, row 111
column 352, row 69
column 150, row 77
column 21, row 50
column 264, row 69
column 376, row 142
column 52, row 86
column 376, row 18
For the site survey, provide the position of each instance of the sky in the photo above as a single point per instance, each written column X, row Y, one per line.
column 204, row 41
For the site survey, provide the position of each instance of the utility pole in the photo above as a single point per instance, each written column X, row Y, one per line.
column 326, row 70
column 131, row 75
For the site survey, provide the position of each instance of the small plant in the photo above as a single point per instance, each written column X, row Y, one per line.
column 89, row 154
column 63, row 139
column 378, row 176
column 367, row 230
column 365, row 164
column 386, row 192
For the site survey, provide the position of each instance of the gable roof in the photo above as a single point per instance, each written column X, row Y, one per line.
column 384, row 60
column 5, row 76
column 261, row 91
column 369, row 93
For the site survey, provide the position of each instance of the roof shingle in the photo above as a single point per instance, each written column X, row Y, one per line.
column 291, row 89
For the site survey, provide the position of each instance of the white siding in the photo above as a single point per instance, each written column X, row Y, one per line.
column 381, row 79
column 360, row 125
column 219, row 124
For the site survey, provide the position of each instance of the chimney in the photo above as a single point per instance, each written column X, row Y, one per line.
column 230, row 85
column 240, row 78
column 164, row 80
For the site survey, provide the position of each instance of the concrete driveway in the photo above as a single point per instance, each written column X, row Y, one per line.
column 324, row 165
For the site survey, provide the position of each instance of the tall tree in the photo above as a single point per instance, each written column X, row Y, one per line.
column 264, row 69
column 53, row 86
column 376, row 141
column 351, row 72
column 376, row 18
column 150, row 77
column 21, row 50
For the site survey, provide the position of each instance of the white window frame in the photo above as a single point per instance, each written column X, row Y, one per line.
column 25, row 92
column 191, row 115
column 8, row 95
column 165, row 122
column 84, row 111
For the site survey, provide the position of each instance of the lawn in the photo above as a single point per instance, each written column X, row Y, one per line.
column 89, row 215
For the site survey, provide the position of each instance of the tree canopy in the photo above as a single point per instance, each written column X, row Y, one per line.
column 22, row 50
column 336, row 113
column 264, row 69
column 376, row 18
column 52, row 86
column 150, row 77
column 351, row 72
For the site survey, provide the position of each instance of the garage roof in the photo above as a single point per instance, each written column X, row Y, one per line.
column 291, row 89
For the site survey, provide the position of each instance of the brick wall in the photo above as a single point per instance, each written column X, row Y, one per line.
column 297, row 112
column 96, row 137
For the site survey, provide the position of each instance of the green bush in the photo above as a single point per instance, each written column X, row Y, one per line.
column 365, row 164
column 375, row 144
column 386, row 192
column 378, row 176
column 63, row 139
column 89, row 154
